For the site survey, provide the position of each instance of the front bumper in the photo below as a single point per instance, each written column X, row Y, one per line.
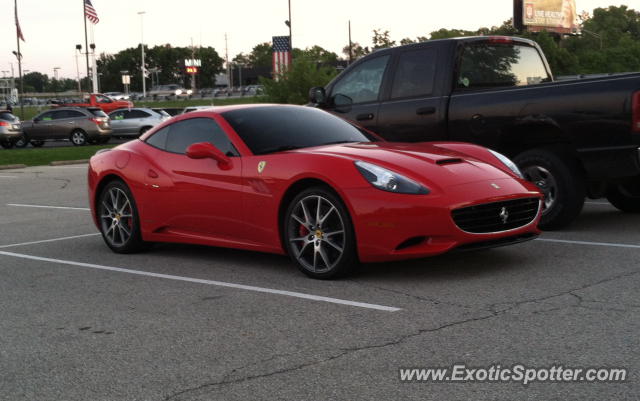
column 392, row 226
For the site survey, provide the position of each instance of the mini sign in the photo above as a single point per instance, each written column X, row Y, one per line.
column 191, row 62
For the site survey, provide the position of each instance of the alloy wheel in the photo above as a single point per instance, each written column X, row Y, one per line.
column 545, row 181
column 116, row 217
column 316, row 233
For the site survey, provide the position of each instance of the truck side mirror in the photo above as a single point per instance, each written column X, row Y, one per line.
column 317, row 95
column 342, row 103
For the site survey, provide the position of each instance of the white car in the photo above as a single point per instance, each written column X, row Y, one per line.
column 135, row 121
column 117, row 95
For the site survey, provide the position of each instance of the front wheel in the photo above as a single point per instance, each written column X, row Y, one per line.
column 79, row 138
column 6, row 144
column 561, row 182
column 119, row 220
column 22, row 141
column 625, row 196
column 319, row 235
column 37, row 144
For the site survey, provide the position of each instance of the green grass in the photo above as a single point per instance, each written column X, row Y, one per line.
column 42, row 156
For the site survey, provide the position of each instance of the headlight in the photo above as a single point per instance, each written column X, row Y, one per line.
column 189, row 91
column 178, row 92
column 507, row 162
column 388, row 180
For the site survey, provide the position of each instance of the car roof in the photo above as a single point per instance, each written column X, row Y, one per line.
column 134, row 108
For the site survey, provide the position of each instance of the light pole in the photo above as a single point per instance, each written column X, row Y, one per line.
column 288, row 23
column 142, row 68
column 78, row 51
column 55, row 72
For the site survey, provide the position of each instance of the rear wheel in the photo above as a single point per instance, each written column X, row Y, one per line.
column 37, row 144
column 561, row 181
column 119, row 220
column 625, row 196
column 78, row 137
column 318, row 234
column 22, row 141
column 6, row 144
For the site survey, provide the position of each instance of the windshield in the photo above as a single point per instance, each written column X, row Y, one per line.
column 275, row 128
column 97, row 112
column 162, row 112
column 7, row 116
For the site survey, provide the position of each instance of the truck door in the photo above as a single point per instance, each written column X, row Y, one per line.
column 413, row 111
column 356, row 94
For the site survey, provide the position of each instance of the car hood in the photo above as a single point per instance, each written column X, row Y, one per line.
column 425, row 162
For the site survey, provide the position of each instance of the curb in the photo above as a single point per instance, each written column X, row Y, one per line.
column 12, row 166
column 66, row 162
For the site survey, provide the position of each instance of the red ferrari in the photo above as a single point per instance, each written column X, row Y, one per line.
column 299, row 181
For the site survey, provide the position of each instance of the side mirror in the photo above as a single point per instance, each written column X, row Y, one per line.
column 342, row 103
column 35, row 120
column 317, row 95
column 205, row 150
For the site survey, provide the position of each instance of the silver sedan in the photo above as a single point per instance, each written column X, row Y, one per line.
column 135, row 121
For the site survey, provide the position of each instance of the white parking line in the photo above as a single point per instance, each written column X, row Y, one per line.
column 8, row 176
column 48, row 207
column 48, row 240
column 598, row 203
column 611, row 244
column 207, row 282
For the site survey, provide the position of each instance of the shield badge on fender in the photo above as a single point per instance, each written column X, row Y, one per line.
column 261, row 166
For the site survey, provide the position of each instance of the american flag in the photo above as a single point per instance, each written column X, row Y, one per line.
column 18, row 30
column 90, row 12
column 281, row 54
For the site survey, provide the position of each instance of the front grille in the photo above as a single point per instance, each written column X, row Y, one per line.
column 497, row 216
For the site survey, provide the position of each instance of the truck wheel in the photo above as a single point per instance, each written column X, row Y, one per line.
column 78, row 138
column 561, row 181
column 37, row 144
column 626, row 196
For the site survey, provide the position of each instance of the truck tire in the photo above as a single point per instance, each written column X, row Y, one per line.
column 22, row 141
column 558, row 176
column 626, row 196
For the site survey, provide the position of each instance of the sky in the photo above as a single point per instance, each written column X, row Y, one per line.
column 52, row 28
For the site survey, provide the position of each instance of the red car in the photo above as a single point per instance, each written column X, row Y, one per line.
column 299, row 181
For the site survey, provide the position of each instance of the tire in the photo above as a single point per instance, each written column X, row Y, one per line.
column 78, row 137
column 325, row 249
column 559, row 177
column 625, row 196
column 22, row 141
column 37, row 144
column 118, row 218
column 6, row 144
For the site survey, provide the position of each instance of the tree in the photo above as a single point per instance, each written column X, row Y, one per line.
column 36, row 80
column 261, row 55
column 382, row 40
column 357, row 50
column 293, row 86
column 317, row 55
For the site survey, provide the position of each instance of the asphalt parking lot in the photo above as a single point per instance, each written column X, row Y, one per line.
column 79, row 322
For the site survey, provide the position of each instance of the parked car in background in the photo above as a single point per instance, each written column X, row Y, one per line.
column 574, row 139
column 172, row 111
column 97, row 100
column 169, row 91
column 135, row 122
column 10, row 129
column 117, row 95
column 195, row 108
column 76, row 124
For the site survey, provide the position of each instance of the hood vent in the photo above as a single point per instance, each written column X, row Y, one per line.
column 449, row 161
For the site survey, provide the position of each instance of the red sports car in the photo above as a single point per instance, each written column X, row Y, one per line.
column 299, row 181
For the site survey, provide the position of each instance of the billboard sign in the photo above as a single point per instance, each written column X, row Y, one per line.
column 550, row 15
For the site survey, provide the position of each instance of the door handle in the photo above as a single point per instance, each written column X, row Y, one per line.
column 152, row 174
column 364, row 117
column 422, row 111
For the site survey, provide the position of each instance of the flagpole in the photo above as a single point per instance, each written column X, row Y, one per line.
column 19, row 55
column 86, row 41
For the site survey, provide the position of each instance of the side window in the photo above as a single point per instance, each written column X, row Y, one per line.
column 500, row 65
column 362, row 84
column 414, row 74
column 47, row 116
column 187, row 132
column 159, row 139
column 138, row 114
column 71, row 114
column 117, row 115
column 102, row 99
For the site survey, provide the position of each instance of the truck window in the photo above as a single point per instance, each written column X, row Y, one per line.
column 415, row 74
column 489, row 65
column 362, row 83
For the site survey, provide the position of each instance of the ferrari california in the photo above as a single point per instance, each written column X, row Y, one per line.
column 300, row 181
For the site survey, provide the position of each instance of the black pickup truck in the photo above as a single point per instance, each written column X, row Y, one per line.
column 573, row 138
